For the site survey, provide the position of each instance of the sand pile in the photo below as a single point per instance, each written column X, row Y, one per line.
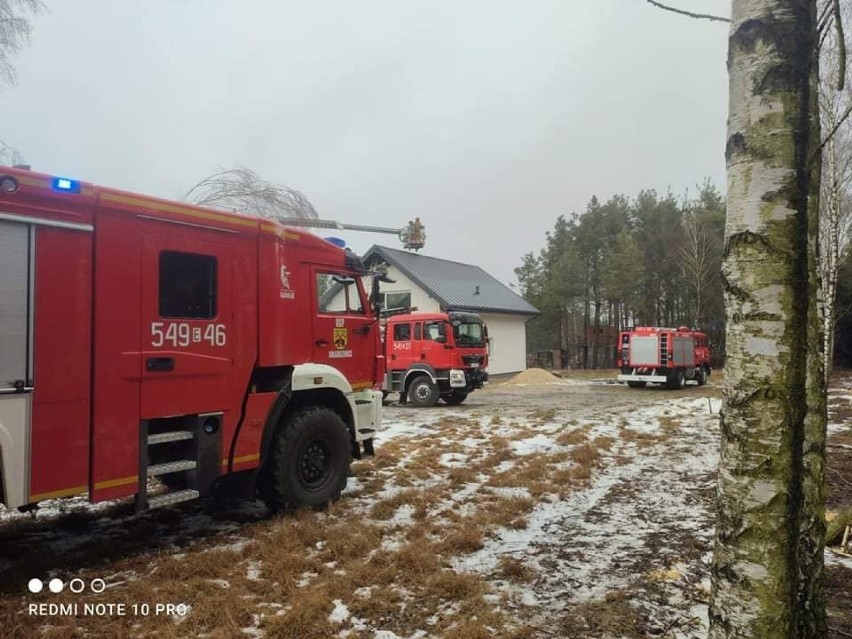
column 533, row 377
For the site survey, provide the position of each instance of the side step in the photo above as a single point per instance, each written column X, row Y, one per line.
column 184, row 452
column 170, row 436
column 171, row 467
column 169, row 499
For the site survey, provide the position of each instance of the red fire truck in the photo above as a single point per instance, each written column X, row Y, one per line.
column 142, row 338
column 435, row 355
column 663, row 355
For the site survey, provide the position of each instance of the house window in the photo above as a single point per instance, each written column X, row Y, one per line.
column 400, row 300
column 187, row 285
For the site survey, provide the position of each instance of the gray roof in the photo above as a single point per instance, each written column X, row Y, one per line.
column 453, row 284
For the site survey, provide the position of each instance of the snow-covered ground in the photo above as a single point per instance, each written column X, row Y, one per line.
column 580, row 509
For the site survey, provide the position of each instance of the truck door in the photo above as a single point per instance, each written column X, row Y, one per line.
column 343, row 327
column 401, row 351
column 188, row 328
column 432, row 348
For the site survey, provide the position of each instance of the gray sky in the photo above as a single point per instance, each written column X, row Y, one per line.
column 486, row 118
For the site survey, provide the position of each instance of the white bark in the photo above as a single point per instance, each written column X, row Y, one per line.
column 761, row 565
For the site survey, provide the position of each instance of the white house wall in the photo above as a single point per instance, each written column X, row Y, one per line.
column 420, row 299
column 507, row 334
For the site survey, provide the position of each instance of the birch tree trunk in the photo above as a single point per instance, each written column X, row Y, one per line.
column 767, row 564
column 830, row 247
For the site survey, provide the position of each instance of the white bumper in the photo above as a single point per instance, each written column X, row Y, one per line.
column 659, row 379
column 367, row 411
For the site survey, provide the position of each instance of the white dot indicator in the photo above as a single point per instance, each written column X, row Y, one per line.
column 77, row 586
column 98, row 585
column 35, row 585
column 56, row 585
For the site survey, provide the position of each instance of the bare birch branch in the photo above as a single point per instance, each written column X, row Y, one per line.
column 15, row 31
column 841, row 45
column 690, row 14
column 831, row 133
column 241, row 189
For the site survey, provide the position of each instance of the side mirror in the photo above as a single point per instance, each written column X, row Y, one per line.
column 441, row 339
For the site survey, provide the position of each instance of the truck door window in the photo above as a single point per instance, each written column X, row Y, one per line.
column 187, row 285
column 402, row 332
column 417, row 330
column 434, row 330
column 338, row 294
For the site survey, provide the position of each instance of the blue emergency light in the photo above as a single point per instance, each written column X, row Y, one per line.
column 337, row 241
column 66, row 185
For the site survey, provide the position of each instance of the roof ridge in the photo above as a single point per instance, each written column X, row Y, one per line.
column 432, row 257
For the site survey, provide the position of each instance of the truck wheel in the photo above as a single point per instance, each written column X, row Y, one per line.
column 422, row 392
column 636, row 384
column 701, row 377
column 308, row 461
column 677, row 379
column 454, row 398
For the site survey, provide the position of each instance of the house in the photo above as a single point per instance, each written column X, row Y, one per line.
column 432, row 284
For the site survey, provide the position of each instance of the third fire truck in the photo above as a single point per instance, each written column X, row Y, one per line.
column 669, row 356
column 433, row 356
column 142, row 338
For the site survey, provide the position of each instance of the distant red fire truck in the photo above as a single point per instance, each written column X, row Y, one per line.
column 144, row 338
column 670, row 356
column 433, row 356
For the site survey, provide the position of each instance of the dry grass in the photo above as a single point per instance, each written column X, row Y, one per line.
column 515, row 570
column 603, row 443
column 639, row 438
column 391, row 571
column 613, row 616
column 669, row 425
column 585, row 456
column 573, row 437
column 543, row 415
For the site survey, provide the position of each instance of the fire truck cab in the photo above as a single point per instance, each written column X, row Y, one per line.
column 663, row 355
column 142, row 338
column 433, row 356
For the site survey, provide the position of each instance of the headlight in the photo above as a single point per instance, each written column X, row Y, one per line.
column 457, row 378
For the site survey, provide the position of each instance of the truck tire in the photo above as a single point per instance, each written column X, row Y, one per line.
column 455, row 397
column 308, row 461
column 422, row 392
column 677, row 379
column 701, row 377
column 636, row 384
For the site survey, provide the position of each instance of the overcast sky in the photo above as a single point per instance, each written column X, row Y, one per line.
column 487, row 118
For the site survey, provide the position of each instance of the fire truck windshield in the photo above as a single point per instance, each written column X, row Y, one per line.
column 469, row 334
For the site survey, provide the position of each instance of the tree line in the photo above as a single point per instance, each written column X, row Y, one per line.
column 647, row 260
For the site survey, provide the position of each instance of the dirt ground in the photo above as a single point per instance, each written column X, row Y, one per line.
column 572, row 509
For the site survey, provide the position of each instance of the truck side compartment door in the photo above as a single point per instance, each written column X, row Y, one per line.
column 187, row 326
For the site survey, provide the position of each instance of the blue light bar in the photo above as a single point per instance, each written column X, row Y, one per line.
column 65, row 185
column 337, row 241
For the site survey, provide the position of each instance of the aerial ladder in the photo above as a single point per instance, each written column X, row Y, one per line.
column 412, row 236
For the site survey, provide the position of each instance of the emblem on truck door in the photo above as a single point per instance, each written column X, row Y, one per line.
column 341, row 338
column 286, row 292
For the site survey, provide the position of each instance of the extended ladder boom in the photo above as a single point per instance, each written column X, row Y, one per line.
column 412, row 236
